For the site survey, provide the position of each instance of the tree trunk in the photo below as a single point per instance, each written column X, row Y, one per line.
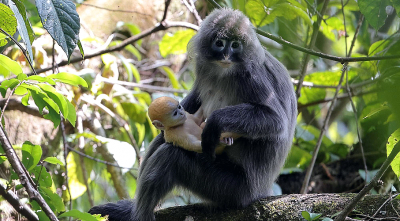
column 286, row 207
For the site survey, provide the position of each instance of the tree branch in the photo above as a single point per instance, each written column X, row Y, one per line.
column 21, row 208
column 23, row 176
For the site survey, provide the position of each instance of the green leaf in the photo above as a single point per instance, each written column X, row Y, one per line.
column 56, row 97
column 25, row 99
column 298, row 158
column 71, row 112
column 52, row 199
column 78, row 215
column 53, row 116
column 126, row 65
column 60, row 19
column 378, row 46
column 8, row 84
column 11, row 65
column 31, row 155
column 8, row 22
column 38, row 210
column 41, row 79
column 133, row 29
column 392, row 141
column 81, row 49
column 129, row 48
column 374, row 11
column 172, row 77
column 135, row 73
column 53, row 160
column 175, row 43
column 21, row 76
column 135, row 111
column 69, row 78
column 24, row 25
column 20, row 91
column 42, row 176
column 41, row 99
column 306, row 215
column 396, row 5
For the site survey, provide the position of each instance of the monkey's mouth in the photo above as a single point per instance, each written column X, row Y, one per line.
column 225, row 63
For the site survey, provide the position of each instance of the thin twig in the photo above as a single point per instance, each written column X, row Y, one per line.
column 8, row 99
column 322, row 134
column 159, row 27
column 310, row 46
column 22, row 49
column 24, row 176
column 167, row 3
column 81, row 145
column 14, row 201
column 120, row 121
column 349, row 207
column 65, row 144
column 192, row 8
column 116, row 10
column 100, row 161
column 150, row 88
column 349, row 92
column 383, row 204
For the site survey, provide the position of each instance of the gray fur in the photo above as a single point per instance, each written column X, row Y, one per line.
column 253, row 98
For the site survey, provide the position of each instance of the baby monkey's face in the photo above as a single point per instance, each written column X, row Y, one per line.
column 177, row 116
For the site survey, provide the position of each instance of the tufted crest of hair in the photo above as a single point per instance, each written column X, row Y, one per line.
column 224, row 23
column 161, row 107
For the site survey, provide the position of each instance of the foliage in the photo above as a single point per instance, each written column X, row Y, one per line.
column 112, row 97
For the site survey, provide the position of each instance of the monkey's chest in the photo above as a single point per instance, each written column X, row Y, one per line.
column 214, row 99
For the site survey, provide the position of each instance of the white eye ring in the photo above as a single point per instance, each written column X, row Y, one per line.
column 236, row 46
column 218, row 44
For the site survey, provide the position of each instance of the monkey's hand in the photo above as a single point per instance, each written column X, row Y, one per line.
column 227, row 140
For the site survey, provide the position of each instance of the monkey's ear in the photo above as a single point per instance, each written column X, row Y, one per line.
column 158, row 124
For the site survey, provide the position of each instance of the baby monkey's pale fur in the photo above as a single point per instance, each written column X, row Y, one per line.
column 181, row 128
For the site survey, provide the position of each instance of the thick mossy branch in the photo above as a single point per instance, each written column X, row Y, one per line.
column 286, row 207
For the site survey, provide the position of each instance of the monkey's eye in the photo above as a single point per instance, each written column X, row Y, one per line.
column 218, row 44
column 175, row 113
column 236, row 46
column 179, row 106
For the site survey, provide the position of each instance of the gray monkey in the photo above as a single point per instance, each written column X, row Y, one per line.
column 243, row 90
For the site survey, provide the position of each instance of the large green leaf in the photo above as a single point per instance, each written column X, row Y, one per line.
column 392, row 141
column 69, row 78
column 71, row 112
column 24, row 26
column 41, row 79
column 170, row 73
column 175, row 43
column 10, row 65
column 76, row 181
column 56, row 97
column 31, row 155
column 60, row 19
column 374, row 11
column 8, row 22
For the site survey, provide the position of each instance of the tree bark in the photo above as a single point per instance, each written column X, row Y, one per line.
column 286, row 207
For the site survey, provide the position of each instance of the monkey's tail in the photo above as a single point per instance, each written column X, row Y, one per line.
column 122, row 210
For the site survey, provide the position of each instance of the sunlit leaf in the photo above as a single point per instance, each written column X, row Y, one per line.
column 8, row 22
column 71, row 112
column 76, row 181
column 53, row 160
column 69, row 78
column 175, row 43
column 60, row 19
column 41, row 79
column 10, row 65
column 392, row 141
column 171, row 75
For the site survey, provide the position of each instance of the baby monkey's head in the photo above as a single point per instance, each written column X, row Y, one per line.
column 165, row 112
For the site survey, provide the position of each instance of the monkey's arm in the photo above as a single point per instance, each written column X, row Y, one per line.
column 252, row 121
column 191, row 102
column 180, row 137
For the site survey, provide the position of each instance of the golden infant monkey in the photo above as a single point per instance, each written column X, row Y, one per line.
column 181, row 128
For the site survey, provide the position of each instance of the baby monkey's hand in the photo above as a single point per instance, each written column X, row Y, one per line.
column 227, row 140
